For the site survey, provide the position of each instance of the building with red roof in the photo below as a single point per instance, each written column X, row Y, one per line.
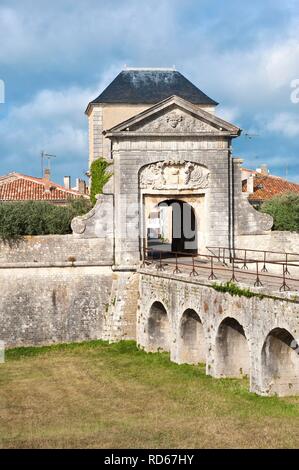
column 19, row 187
column 261, row 186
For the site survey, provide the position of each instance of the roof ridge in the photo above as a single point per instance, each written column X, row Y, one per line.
column 41, row 181
column 282, row 178
column 20, row 187
column 150, row 69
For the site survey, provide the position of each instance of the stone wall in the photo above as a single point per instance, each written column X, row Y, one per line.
column 53, row 305
column 234, row 336
column 287, row 242
column 279, row 242
column 247, row 220
column 58, row 249
column 61, row 288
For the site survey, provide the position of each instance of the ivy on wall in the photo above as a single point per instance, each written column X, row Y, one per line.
column 99, row 177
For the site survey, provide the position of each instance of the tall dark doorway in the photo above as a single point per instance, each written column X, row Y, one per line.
column 172, row 227
column 183, row 227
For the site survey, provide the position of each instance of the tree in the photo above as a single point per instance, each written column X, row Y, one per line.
column 284, row 210
column 18, row 219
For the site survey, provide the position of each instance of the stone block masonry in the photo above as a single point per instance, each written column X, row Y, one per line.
column 234, row 336
column 41, row 306
column 57, row 249
column 60, row 288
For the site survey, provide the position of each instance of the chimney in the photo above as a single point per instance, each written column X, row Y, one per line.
column 81, row 186
column 67, row 182
column 264, row 170
column 47, row 173
column 250, row 184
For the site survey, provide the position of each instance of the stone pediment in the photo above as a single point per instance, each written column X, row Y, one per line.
column 174, row 116
column 175, row 121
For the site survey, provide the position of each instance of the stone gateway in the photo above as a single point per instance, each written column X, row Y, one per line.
column 171, row 145
column 176, row 188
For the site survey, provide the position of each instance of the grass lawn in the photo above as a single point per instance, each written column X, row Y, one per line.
column 95, row 394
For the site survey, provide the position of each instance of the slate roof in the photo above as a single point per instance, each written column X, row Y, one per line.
column 19, row 187
column 265, row 187
column 149, row 86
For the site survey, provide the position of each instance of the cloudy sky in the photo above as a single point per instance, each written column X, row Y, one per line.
column 56, row 56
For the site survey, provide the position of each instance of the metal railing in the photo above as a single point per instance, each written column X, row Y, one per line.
column 265, row 255
column 224, row 263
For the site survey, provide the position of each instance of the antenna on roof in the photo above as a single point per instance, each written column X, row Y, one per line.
column 46, row 156
column 250, row 136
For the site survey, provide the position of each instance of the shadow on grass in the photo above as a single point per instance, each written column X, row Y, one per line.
column 135, row 359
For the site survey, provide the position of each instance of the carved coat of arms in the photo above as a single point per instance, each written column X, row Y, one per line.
column 172, row 174
column 176, row 122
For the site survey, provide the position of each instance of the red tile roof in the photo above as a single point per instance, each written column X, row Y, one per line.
column 19, row 187
column 265, row 187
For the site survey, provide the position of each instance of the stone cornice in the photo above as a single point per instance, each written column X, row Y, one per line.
column 170, row 134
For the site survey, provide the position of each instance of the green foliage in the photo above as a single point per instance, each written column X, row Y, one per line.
column 18, row 219
column 99, row 177
column 80, row 206
column 284, row 210
column 233, row 289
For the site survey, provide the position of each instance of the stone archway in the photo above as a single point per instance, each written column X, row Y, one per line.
column 158, row 328
column 280, row 363
column 172, row 226
column 192, row 344
column 232, row 352
column 173, row 213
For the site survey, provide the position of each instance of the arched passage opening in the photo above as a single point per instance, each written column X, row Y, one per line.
column 172, row 226
column 192, row 339
column 232, row 352
column 280, row 363
column 158, row 328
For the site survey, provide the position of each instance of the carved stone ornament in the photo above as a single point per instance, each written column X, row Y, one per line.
column 80, row 222
column 265, row 221
column 78, row 225
column 174, row 174
column 176, row 122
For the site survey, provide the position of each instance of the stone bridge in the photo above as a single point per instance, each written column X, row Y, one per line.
column 234, row 336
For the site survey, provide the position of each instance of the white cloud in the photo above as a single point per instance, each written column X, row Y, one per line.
column 252, row 76
column 229, row 114
column 53, row 120
column 284, row 123
column 61, row 48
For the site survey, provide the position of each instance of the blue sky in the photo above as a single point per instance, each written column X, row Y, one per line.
column 56, row 56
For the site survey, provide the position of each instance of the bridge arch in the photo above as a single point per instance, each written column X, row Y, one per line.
column 232, row 350
column 158, row 328
column 192, row 348
column 280, row 363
